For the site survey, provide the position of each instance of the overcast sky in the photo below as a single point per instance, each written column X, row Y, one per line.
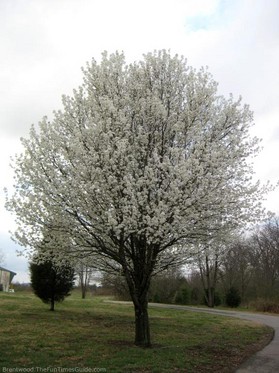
column 44, row 44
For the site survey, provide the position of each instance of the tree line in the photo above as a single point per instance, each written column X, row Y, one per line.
column 243, row 271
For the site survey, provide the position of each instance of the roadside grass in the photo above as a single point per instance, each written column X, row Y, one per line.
column 93, row 334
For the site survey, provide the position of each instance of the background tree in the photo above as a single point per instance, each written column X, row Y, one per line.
column 84, row 270
column 116, row 285
column 208, row 259
column 236, row 269
column 50, row 282
column 168, row 286
column 233, row 298
column 195, row 284
column 209, row 264
column 143, row 159
column 264, row 258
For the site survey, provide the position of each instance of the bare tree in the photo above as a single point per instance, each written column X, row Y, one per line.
column 236, row 267
column 84, row 271
column 264, row 257
column 208, row 260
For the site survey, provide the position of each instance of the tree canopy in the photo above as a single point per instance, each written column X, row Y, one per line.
column 143, row 159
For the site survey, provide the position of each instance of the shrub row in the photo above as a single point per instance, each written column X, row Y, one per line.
column 265, row 305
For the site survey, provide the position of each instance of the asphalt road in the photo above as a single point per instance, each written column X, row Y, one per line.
column 264, row 361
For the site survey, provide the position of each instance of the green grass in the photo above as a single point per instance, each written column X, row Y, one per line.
column 93, row 334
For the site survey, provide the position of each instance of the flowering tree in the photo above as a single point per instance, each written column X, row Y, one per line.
column 143, row 159
column 2, row 258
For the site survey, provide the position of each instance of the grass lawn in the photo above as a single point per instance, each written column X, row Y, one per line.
column 97, row 335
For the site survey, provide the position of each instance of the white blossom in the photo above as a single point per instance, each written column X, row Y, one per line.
column 143, row 158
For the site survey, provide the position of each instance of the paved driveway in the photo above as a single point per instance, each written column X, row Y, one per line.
column 264, row 361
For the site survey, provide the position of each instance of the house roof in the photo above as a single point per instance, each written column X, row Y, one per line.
column 7, row 270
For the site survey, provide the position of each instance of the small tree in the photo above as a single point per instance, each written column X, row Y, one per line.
column 51, row 283
column 233, row 298
column 182, row 296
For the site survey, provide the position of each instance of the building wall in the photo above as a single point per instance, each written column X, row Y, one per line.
column 5, row 279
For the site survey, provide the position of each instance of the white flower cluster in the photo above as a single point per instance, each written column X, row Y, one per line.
column 143, row 157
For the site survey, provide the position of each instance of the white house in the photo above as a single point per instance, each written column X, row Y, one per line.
column 6, row 277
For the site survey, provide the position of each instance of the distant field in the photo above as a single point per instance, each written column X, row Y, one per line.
column 92, row 336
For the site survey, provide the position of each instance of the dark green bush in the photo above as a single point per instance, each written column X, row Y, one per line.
column 196, row 296
column 233, row 298
column 182, row 296
column 51, row 283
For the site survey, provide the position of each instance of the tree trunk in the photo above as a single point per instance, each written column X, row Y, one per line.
column 142, row 331
column 138, row 279
column 139, row 285
column 83, row 290
column 210, row 292
column 209, row 289
column 52, row 304
column 84, row 277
